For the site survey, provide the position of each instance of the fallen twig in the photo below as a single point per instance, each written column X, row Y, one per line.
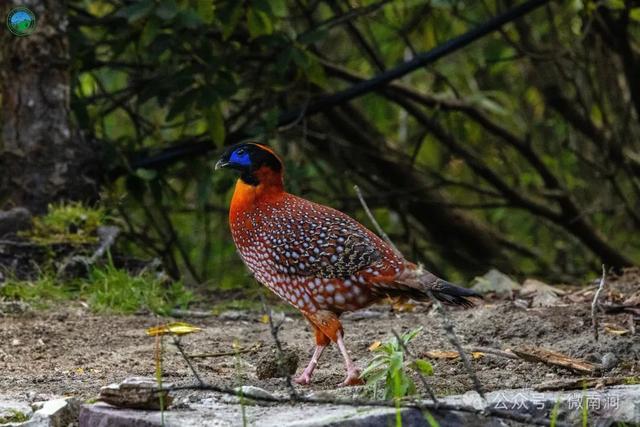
column 494, row 351
column 425, row 384
column 549, row 357
column 594, row 305
column 178, row 344
column 453, row 339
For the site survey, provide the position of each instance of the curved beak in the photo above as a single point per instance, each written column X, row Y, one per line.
column 221, row 164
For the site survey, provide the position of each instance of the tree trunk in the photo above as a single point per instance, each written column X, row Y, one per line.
column 42, row 158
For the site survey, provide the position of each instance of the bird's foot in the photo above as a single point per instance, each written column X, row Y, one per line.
column 303, row 379
column 353, row 378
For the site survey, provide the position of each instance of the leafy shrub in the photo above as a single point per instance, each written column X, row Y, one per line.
column 70, row 222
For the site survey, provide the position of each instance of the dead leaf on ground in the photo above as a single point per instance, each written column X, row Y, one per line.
column 375, row 345
column 613, row 329
column 174, row 328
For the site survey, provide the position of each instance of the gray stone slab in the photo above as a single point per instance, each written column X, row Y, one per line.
column 606, row 407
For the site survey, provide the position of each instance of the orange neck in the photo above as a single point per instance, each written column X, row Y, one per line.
column 248, row 197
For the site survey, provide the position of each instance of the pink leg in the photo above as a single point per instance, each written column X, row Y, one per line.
column 353, row 373
column 305, row 377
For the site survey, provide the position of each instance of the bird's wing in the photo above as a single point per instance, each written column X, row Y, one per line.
column 324, row 242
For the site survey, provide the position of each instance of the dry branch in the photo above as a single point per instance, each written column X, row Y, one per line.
column 549, row 357
column 594, row 305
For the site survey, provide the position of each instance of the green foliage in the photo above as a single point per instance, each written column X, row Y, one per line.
column 70, row 222
column 107, row 289
column 40, row 292
column 390, row 368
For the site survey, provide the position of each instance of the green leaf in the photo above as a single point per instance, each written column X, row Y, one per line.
column 205, row 10
column 138, row 10
column 407, row 337
column 422, row 366
column 229, row 18
column 149, row 32
column 278, row 8
column 189, row 19
column 259, row 23
column 635, row 14
column 167, row 9
column 146, row 174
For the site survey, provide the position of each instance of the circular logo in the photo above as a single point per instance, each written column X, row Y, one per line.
column 21, row 21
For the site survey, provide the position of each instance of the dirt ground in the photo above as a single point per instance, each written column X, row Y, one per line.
column 70, row 351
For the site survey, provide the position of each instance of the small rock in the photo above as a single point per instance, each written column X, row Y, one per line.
column 16, row 342
column 268, row 366
column 56, row 412
column 234, row 315
column 136, row 392
column 497, row 282
column 609, row 361
column 255, row 392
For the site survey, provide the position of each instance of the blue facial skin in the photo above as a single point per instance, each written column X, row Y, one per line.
column 240, row 159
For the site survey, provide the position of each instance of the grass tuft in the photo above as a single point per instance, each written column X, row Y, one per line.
column 107, row 289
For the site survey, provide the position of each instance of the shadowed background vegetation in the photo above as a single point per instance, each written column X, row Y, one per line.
column 518, row 152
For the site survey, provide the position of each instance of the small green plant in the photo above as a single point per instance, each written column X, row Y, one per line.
column 70, row 222
column 553, row 420
column 390, row 368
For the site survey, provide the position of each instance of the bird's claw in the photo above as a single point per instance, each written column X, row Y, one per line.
column 353, row 378
column 303, row 379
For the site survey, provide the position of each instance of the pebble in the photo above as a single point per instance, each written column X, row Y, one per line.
column 609, row 361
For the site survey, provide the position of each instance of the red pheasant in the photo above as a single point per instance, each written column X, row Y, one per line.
column 316, row 258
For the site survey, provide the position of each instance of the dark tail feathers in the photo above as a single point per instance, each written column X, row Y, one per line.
column 453, row 294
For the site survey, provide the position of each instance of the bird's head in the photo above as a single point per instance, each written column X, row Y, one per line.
column 255, row 162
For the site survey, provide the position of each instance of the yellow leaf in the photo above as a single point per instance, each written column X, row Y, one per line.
column 174, row 328
column 477, row 355
column 264, row 318
column 79, row 371
column 375, row 345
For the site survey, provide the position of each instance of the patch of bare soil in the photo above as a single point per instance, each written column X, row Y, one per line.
column 70, row 351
